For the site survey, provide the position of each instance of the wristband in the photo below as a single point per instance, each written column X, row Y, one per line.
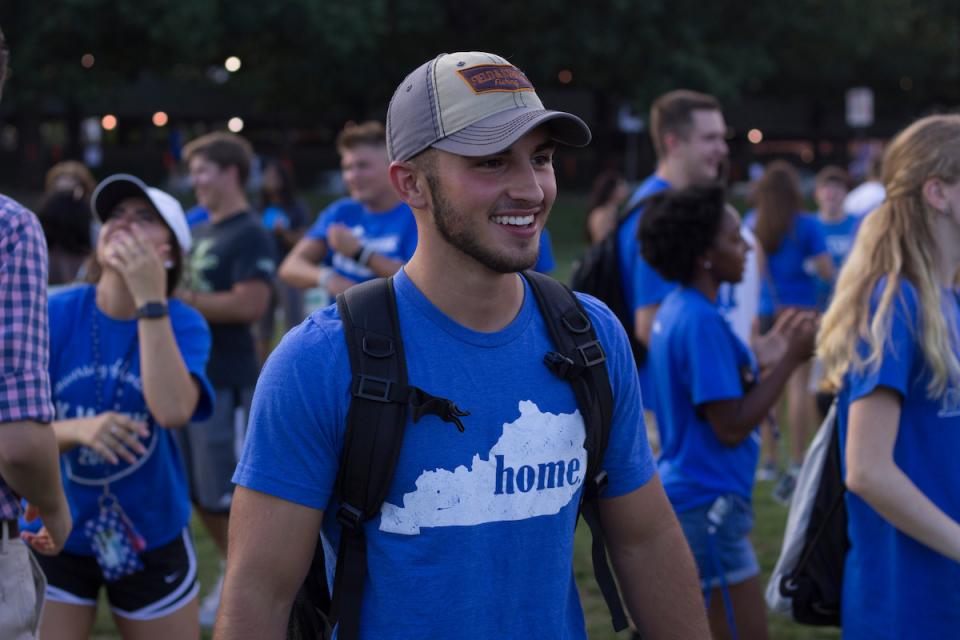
column 365, row 256
column 326, row 273
column 152, row 310
column 358, row 254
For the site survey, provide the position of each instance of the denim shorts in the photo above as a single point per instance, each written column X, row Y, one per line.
column 727, row 551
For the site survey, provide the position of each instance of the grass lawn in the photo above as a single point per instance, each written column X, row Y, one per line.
column 566, row 228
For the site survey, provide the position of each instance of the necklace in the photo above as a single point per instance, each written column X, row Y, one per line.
column 100, row 368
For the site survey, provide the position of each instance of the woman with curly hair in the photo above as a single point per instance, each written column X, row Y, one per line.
column 889, row 344
column 709, row 399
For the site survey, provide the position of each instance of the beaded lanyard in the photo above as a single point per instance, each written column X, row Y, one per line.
column 115, row 541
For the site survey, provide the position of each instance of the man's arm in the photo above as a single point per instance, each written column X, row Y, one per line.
column 643, row 323
column 653, row 564
column 301, row 266
column 30, row 464
column 244, row 303
column 272, row 542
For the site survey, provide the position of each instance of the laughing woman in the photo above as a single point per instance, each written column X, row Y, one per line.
column 889, row 344
column 127, row 365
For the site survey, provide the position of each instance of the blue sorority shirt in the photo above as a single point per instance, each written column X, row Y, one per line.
column 475, row 538
column 787, row 284
column 152, row 491
column 894, row 587
column 391, row 233
column 698, row 360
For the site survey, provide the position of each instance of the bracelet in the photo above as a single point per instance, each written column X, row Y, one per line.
column 365, row 256
column 326, row 273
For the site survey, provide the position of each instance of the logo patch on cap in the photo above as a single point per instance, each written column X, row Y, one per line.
column 487, row 78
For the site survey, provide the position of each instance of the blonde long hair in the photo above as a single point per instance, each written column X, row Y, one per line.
column 898, row 242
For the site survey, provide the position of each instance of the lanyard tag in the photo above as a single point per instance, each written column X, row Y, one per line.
column 114, row 542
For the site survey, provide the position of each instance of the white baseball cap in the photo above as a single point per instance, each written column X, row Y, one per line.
column 120, row 186
column 472, row 104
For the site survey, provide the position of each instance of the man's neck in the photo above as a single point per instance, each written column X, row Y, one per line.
column 229, row 206
column 467, row 293
column 113, row 297
column 673, row 173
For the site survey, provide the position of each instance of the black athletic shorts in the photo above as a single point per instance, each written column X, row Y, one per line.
column 167, row 581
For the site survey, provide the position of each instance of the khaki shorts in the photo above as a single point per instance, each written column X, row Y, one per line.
column 22, row 586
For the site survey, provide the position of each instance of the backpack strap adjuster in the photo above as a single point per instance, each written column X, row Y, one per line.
column 373, row 388
column 349, row 517
column 592, row 353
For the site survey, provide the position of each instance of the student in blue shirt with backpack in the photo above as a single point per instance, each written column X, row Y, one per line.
column 889, row 343
column 475, row 536
column 710, row 397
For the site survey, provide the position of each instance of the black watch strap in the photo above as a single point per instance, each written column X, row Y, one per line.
column 153, row 309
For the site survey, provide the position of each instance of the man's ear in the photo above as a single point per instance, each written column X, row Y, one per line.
column 410, row 184
column 932, row 191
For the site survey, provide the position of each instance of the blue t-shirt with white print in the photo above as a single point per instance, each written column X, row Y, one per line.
column 390, row 233
column 894, row 587
column 698, row 359
column 475, row 538
column 153, row 490
column 838, row 236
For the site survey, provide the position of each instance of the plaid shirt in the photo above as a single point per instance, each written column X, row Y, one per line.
column 24, row 349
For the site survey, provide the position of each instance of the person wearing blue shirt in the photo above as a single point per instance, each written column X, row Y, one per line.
column 468, row 544
column 839, row 228
column 796, row 256
column 370, row 234
column 689, row 137
column 890, row 348
column 127, row 366
column 710, row 398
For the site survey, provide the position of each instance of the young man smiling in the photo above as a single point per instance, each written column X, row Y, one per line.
column 472, row 540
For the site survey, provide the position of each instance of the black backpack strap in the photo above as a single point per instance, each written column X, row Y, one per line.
column 375, row 425
column 376, row 421
column 581, row 361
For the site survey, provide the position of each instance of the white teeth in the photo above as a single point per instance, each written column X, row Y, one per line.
column 520, row 221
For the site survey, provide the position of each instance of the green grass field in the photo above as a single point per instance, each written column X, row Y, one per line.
column 566, row 227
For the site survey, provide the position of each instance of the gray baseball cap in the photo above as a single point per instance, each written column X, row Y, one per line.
column 472, row 104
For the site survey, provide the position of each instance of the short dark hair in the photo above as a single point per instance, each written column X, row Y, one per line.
column 65, row 218
column 353, row 135
column 677, row 227
column 225, row 150
column 673, row 113
column 833, row 173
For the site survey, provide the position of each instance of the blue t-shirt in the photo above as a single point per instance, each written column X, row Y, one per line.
column 838, row 238
column 545, row 261
column 894, row 587
column 197, row 215
column 391, row 233
column 698, row 359
column 786, row 284
column 153, row 491
column 475, row 539
column 642, row 285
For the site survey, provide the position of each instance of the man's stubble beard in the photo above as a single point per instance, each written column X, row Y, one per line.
column 454, row 227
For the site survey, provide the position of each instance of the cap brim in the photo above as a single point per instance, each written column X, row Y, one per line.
column 113, row 190
column 497, row 132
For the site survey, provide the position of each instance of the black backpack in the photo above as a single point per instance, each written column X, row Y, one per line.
column 376, row 421
column 598, row 274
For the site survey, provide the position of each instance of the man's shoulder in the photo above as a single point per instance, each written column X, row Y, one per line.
column 16, row 219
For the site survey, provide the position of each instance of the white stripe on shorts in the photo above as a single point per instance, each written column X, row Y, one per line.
column 175, row 600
